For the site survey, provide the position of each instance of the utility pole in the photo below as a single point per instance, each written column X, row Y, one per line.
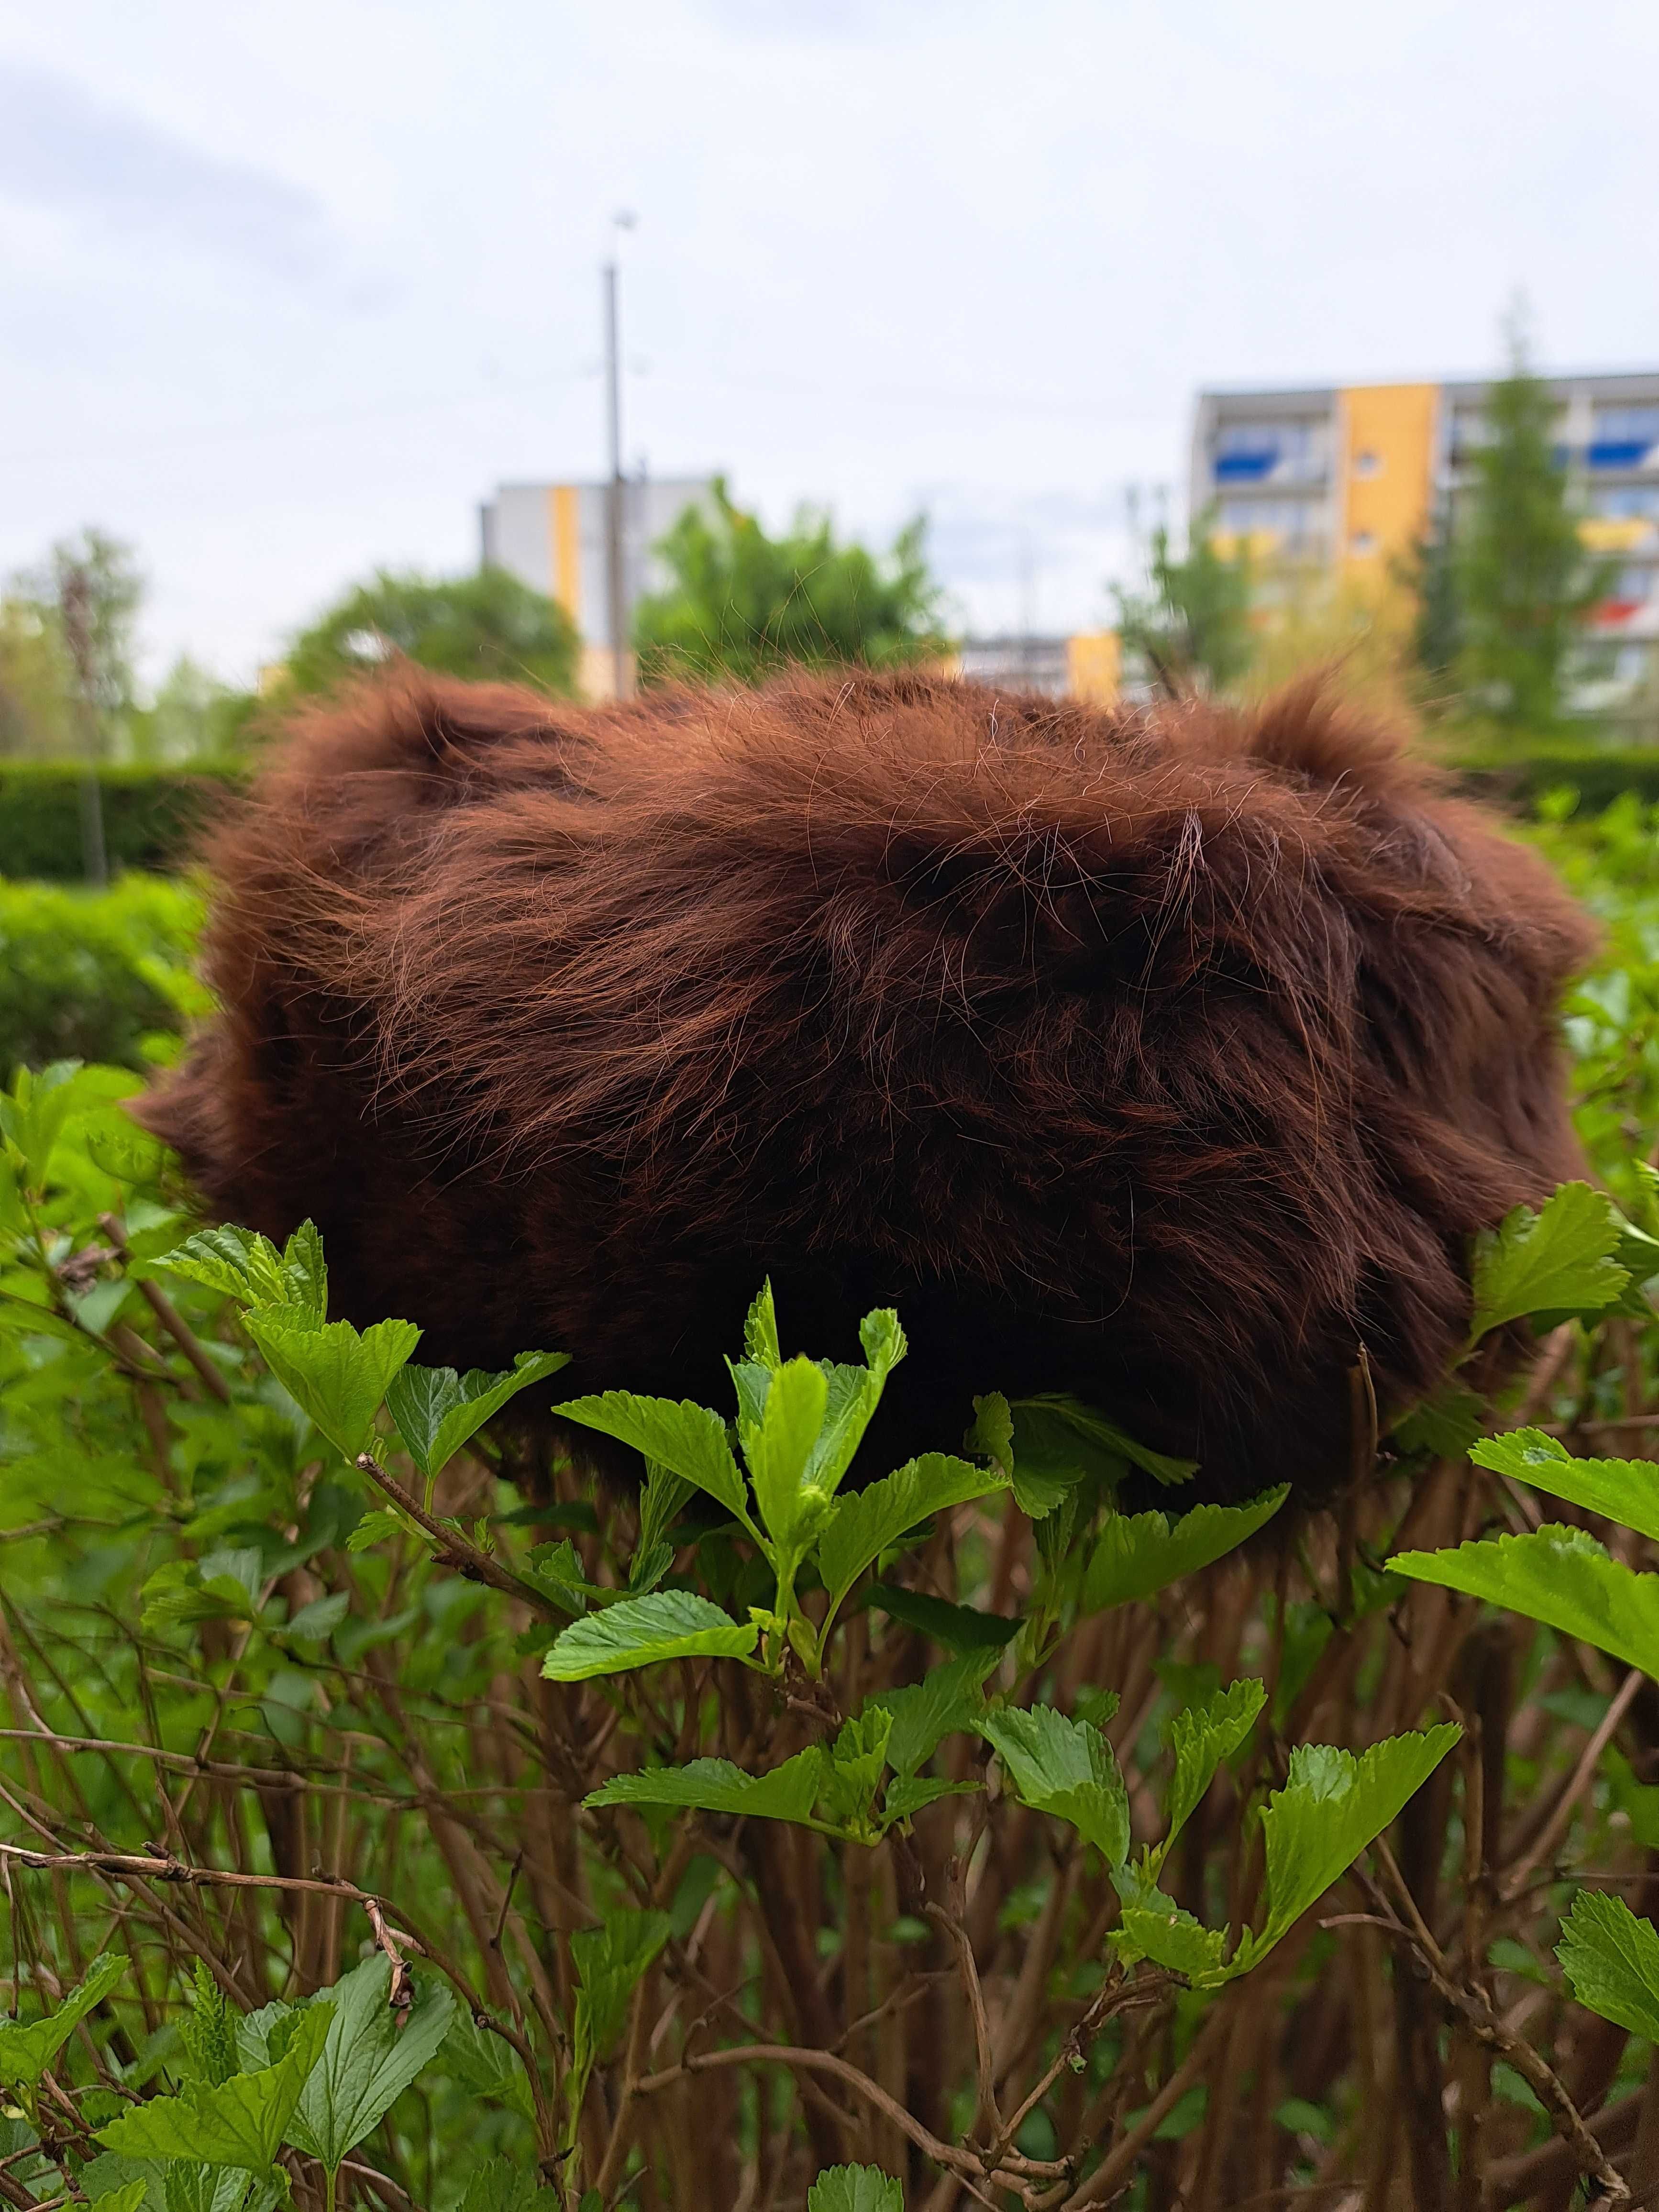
column 615, row 551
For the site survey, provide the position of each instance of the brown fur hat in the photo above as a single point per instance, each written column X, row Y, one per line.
column 1164, row 1057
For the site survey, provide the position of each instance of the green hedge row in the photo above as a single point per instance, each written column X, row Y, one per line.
column 1599, row 772
column 96, row 975
column 150, row 815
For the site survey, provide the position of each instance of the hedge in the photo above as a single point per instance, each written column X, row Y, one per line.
column 94, row 974
column 150, row 815
column 1519, row 776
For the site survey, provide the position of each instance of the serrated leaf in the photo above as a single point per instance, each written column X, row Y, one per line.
column 1622, row 1490
column 1137, row 1554
column 857, row 1759
column 644, row 1632
column 437, row 1411
column 1201, row 1736
column 907, row 1794
column 1061, row 1437
column 374, row 1528
column 1445, row 1424
column 689, row 1439
column 208, row 2031
column 760, row 1331
column 316, row 1622
column 556, row 1569
column 947, row 1699
column 1559, row 1575
column 865, row 1523
column 239, row 1264
column 1154, row 1926
column 370, row 2057
column 854, row 2189
column 610, row 1961
column 1333, row 1804
column 499, row 2185
column 1612, row 1959
column 789, row 1792
column 338, row 1376
column 960, row 1628
column 778, row 1445
column 992, row 1435
column 854, row 1393
column 1065, row 1768
column 661, row 1503
column 1557, row 1261
column 241, row 2122
column 25, row 2052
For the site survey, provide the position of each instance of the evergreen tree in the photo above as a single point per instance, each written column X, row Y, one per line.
column 742, row 603
column 1522, row 581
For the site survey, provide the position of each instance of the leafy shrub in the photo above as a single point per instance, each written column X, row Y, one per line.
column 90, row 975
column 150, row 815
column 441, row 1830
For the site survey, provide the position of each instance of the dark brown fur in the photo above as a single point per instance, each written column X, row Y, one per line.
column 1165, row 1058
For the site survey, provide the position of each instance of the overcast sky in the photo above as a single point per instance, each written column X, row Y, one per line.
column 286, row 288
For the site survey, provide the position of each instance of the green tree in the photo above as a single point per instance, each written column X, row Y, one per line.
column 36, row 718
column 1523, row 580
column 1192, row 626
column 743, row 603
column 1429, row 574
column 81, row 606
column 194, row 717
column 488, row 626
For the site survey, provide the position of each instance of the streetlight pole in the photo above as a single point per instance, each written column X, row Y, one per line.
column 614, row 551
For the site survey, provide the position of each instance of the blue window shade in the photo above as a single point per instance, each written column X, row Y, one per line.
column 1246, row 467
column 1618, row 453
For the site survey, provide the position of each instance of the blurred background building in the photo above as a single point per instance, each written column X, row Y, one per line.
column 1351, row 480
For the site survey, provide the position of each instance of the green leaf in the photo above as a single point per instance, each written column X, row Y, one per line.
column 336, row 1376
column 854, row 2189
column 208, row 2032
column 1154, row 1926
column 1623, row 1490
column 661, row 1501
column 789, row 1792
column 1333, row 1804
column 865, row 1523
column 499, row 2185
column 1060, row 1439
column 689, row 1439
column 1559, row 1575
column 643, row 1631
column 374, row 1529
column 947, row 1700
column 777, row 1448
column 1138, row 1553
column 240, row 1265
column 370, row 2057
column 1201, row 1736
column 960, row 1628
column 437, row 1411
column 556, row 1569
column 610, row 1961
column 991, row 1436
column 40, row 1104
column 907, row 1794
column 1612, row 1959
column 857, row 1759
column 316, row 1622
column 1063, row 1767
column 1557, row 1261
column 853, row 1394
column 26, row 2053
column 760, row 1331
column 1445, row 1424
column 241, row 2122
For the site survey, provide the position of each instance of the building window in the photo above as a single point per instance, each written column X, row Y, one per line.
column 1363, row 541
column 1625, row 502
column 1623, row 437
column 1261, row 452
column 1367, row 463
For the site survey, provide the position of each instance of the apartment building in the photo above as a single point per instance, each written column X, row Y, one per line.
column 1345, row 478
column 553, row 537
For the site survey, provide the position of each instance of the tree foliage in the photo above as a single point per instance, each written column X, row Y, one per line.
column 1193, row 625
column 743, row 603
column 487, row 628
column 1522, row 581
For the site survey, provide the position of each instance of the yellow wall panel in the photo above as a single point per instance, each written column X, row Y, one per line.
column 1386, row 455
column 1093, row 666
column 564, row 539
